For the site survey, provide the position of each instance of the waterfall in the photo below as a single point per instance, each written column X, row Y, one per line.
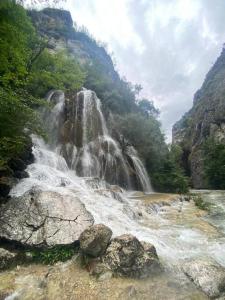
column 79, row 132
column 177, row 234
column 140, row 170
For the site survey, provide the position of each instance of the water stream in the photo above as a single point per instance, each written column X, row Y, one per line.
column 83, row 170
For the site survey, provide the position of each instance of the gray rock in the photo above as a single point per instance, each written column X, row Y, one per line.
column 130, row 292
column 126, row 256
column 207, row 275
column 149, row 249
column 105, row 276
column 43, row 218
column 205, row 120
column 6, row 258
column 95, row 239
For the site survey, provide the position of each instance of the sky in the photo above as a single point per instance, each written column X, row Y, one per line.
column 167, row 46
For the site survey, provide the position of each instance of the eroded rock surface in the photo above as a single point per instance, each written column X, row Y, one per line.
column 207, row 275
column 127, row 256
column 43, row 218
column 95, row 239
column 6, row 258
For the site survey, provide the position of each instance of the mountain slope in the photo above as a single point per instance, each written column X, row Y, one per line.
column 205, row 121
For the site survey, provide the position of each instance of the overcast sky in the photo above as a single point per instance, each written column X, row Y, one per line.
column 167, row 46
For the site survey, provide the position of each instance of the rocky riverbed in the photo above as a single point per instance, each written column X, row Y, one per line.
column 70, row 281
column 194, row 269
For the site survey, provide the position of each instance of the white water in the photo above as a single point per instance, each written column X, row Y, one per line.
column 174, row 241
column 79, row 133
column 140, row 169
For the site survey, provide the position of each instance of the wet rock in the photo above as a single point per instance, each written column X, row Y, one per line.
column 207, row 275
column 21, row 174
column 17, row 164
column 95, row 239
column 149, row 249
column 186, row 198
column 127, row 256
column 43, row 218
column 5, row 186
column 6, row 258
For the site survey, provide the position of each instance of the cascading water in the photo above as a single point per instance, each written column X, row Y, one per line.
column 140, row 169
column 78, row 129
column 92, row 152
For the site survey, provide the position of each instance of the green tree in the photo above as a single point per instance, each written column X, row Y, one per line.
column 54, row 71
column 15, row 115
column 163, row 164
column 145, row 135
column 118, row 95
column 147, row 108
column 214, row 163
column 17, row 40
column 169, row 177
column 27, row 72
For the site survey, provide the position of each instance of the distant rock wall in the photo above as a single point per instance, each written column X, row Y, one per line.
column 206, row 119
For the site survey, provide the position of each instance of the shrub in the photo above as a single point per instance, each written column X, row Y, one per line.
column 52, row 255
column 199, row 202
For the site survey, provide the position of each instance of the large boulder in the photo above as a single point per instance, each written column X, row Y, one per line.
column 95, row 239
column 127, row 256
column 207, row 275
column 43, row 218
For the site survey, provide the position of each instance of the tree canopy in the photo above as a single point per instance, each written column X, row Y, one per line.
column 27, row 72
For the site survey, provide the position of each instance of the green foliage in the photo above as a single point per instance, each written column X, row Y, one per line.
column 15, row 115
column 214, row 163
column 52, row 255
column 147, row 108
column 145, row 134
column 200, row 203
column 27, row 72
column 162, row 165
column 17, row 42
column 116, row 94
column 10, row 148
column 55, row 71
column 17, row 38
column 169, row 176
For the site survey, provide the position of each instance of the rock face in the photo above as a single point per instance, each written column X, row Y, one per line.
column 15, row 170
column 127, row 256
column 43, row 218
column 95, row 239
column 207, row 275
column 57, row 26
column 6, row 258
column 206, row 119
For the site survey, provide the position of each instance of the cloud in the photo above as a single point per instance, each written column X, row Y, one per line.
column 166, row 46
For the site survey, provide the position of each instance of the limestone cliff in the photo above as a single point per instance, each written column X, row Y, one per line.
column 206, row 119
column 58, row 28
